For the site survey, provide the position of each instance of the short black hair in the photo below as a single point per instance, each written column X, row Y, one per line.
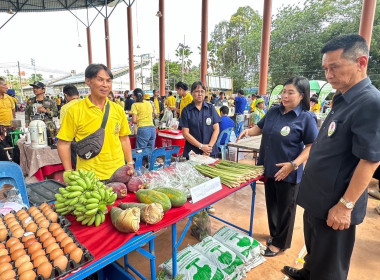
column 314, row 99
column 93, row 69
column 303, row 87
column 221, row 93
column 70, row 90
column 182, row 85
column 241, row 92
column 139, row 93
column 224, row 109
column 170, row 92
column 196, row 84
column 353, row 46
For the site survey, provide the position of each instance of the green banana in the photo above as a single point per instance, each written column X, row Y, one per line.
column 92, row 200
column 74, row 201
column 112, row 199
column 59, row 205
column 81, row 182
column 81, row 218
column 102, row 206
column 98, row 219
column 85, row 221
column 74, row 194
column 74, row 177
column 96, row 195
column 68, row 201
column 92, row 212
column 102, row 193
column 63, row 190
column 92, row 220
column 91, row 174
column 74, row 188
column 92, row 206
column 106, row 195
column 78, row 213
column 88, row 182
column 76, row 173
column 103, row 217
column 73, row 183
column 59, row 197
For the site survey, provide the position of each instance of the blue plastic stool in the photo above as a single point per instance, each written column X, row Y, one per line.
column 224, row 147
column 166, row 152
column 11, row 173
column 138, row 154
column 239, row 128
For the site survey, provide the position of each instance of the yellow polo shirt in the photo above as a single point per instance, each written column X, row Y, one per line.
column 84, row 118
column 171, row 101
column 143, row 111
column 156, row 103
column 6, row 106
column 65, row 108
column 185, row 101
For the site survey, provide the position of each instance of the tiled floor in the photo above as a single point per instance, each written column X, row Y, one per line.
column 365, row 261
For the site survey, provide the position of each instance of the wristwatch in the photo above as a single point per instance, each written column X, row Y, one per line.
column 295, row 166
column 348, row 204
column 130, row 162
column 200, row 147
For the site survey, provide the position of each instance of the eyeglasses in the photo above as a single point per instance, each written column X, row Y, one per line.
column 200, row 92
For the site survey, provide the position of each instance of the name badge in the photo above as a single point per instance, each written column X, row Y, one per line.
column 285, row 131
column 208, row 121
column 331, row 129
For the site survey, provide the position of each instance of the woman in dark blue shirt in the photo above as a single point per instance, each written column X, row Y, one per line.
column 288, row 131
column 200, row 124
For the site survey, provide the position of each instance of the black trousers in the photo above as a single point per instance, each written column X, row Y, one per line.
column 281, row 209
column 328, row 251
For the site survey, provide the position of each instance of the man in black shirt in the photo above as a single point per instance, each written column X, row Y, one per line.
column 341, row 163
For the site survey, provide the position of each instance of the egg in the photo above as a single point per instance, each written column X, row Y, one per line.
column 21, row 260
column 30, row 242
column 35, row 212
column 26, row 221
column 31, row 227
column 19, row 212
column 66, row 241
column 53, row 226
column 2, row 246
column 47, row 212
column 69, row 247
column 8, row 274
column 61, row 262
column 24, row 267
column 45, row 236
column 41, row 231
column 44, row 223
column 31, row 209
column 34, row 247
column 48, row 241
column 3, row 252
column 27, row 236
column 55, row 253
column 51, row 247
column 18, row 233
column 53, row 217
column 44, row 205
column 12, row 241
column 61, row 236
column 58, row 231
column 39, row 218
column 45, row 269
column 16, row 247
column 14, row 227
column 40, row 259
column 11, row 223
column 23, row 217
column 3, row 234
column 5, row 267
column 38, row 252
column 2, row 226
column 7, row 216
column 5, row 259
column 18, row 253
column 76, row 255
column 28, row 275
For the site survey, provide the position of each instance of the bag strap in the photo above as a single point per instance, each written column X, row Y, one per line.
column 105, row 117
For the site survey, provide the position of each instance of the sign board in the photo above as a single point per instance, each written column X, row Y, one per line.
column 274, row 95
column 205, row 189
column 325, row 90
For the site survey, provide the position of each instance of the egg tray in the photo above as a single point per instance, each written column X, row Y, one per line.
column 71, row 265
column 43, row 191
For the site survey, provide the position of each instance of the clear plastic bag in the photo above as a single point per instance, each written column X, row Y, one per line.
column 200, row 226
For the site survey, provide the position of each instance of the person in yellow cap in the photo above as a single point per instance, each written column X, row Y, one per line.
column 258, row 113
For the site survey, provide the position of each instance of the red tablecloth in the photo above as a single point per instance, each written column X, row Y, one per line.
column 47, row 170
column 105, row 239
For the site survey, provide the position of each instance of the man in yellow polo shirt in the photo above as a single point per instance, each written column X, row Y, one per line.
column 85, row 117
column 186, row 99
column 7, row 105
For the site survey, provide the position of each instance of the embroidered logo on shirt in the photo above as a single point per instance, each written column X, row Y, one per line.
column 208, row 121
column 117, row 128
column 332, row 128
column 285, row 131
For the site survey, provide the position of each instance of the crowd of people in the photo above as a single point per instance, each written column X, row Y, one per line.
column 341, row 156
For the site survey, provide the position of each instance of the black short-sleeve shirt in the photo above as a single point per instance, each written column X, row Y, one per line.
column 200, row 124
column 349, row 133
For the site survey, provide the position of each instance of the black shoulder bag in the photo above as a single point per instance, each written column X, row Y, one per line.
column 91, row 145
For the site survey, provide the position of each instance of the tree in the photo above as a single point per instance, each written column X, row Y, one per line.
column 183, row 52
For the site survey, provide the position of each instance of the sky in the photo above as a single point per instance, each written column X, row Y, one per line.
column 52, row 38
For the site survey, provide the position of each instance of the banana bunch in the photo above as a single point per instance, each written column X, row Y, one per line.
column 84, row 196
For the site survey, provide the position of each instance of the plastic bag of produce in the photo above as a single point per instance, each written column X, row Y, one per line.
column 222, row 257
column 193, row 265
column 246, row 247
column 200, row 225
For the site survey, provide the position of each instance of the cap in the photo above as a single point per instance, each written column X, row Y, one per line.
column 146, row 96
column 259, row 100
column 37, row 84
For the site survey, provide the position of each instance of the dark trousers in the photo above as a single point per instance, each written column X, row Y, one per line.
column 281, row 208
column 328, row 251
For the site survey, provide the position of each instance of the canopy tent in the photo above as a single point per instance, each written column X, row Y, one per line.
column 315, row 86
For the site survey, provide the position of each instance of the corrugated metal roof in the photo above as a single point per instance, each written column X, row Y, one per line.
column 48, row 5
